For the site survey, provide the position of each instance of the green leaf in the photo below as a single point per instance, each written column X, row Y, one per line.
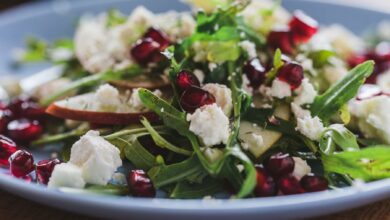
column 167, row 174
column 327, row 104
column 219, row 52
column 338, row 135
column 36, row 50
column 186, row 190
column 136, row 153
column 102, row 190
column 277, row 64
column 115, row 18
column 321, row 58
column 369, row 164
column 162, row 142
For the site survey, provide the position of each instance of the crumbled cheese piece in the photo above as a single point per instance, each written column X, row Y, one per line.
column 97, row 158
column 310, row 127
column 107, row 96
column 372, row 116
column 201, row 51
column 280, row 89
column 213, row 154
column 335, row 71
column 199, row 74
column 210, row 124
column 222, row 95
column 301, row 168
column 249, row 47
column 61, row 54
column 212, row 66
column 383, row 30
column 49, row 88
column 384, row 81
column 66, row 175
column 306, row 93
column 298, row 111
column 246, row 84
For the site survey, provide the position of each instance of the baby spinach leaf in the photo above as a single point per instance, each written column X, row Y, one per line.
column 372, row 163
column 335, row 97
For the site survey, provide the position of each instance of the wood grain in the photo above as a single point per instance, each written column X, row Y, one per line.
column 15, row 208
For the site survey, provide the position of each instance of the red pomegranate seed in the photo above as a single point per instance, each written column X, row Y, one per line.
column 146, row 51
column 140, row 185
column 280, row 164
column 194, row 98
column 44, row 169
column 314, row 183
column 7, row 148
column 265, row 184
column 32, row 110
column 21, row 163
column 291, row 73
column 16, row 105
column 5, row 117
column 281, row 39
column 185, row 80
column 289, row 185
column 158, row 36
column 24, row 130
column 302, row 27
column 255, row 72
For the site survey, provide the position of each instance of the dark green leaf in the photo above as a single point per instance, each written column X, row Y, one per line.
column 136, row 153
column 340, row 136
column 186, row 190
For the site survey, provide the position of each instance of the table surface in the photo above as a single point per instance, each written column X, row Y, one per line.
column 13, row 207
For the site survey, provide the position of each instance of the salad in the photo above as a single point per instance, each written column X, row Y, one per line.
column 236, row 99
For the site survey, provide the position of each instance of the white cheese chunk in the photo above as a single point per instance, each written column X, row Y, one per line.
column 373, row 117
column 210, row 124
column 222, row 95
column 310, row 127
column 98, row 158
column 66, row 175
column 107, row 97
column 249, row 47
column 384, row 81
column 301, row 168
column 306, row 93
column 280, row 89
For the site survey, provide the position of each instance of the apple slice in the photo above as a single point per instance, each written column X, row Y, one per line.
column 143, row 82
column 250, row 133
column 78, row 109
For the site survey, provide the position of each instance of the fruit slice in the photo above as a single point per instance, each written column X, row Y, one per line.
column 76, row 108
column 257, row 139
column 143, row 82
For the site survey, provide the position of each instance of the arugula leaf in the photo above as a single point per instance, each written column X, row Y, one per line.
column 135, row 152
column 115, row 18
column 277, row 64
column 186, row 190
column 372, row 163
column 101, row 190
column 338, row 135
column 36, row 50
column 320, row 58
column 160, row 141
column 167, row 174
column 327, row 104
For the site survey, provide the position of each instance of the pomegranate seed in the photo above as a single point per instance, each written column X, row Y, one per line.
column 194, row 98
column 255, row 73
column 280, row 164
column 146, row 51
column 265, row 184
column 314, row 183
column 158, row 36
column 281, row 39
column 291, row 73
column 5, row 117
column 32, row 110
column 44, row 169
column 289, row 185
column 24, row 130
column 16, row 105
column 7, row 148
column 140, row 185
column 185, row 80
column 21, row 163
column 302, row 27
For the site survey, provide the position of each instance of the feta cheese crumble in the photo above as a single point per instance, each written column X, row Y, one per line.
column 107, row 97
column 210, row 124
column 280, row 89
column 223, row 96
column 301, row 168
column 98, row 158
column 93, row 160
column 249, row 47
column 305, row 93
column 310, row 127
column 66, row 175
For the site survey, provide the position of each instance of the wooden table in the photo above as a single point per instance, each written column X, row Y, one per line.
column 15, row 208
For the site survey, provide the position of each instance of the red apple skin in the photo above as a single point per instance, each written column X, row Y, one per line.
column 102, row 118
